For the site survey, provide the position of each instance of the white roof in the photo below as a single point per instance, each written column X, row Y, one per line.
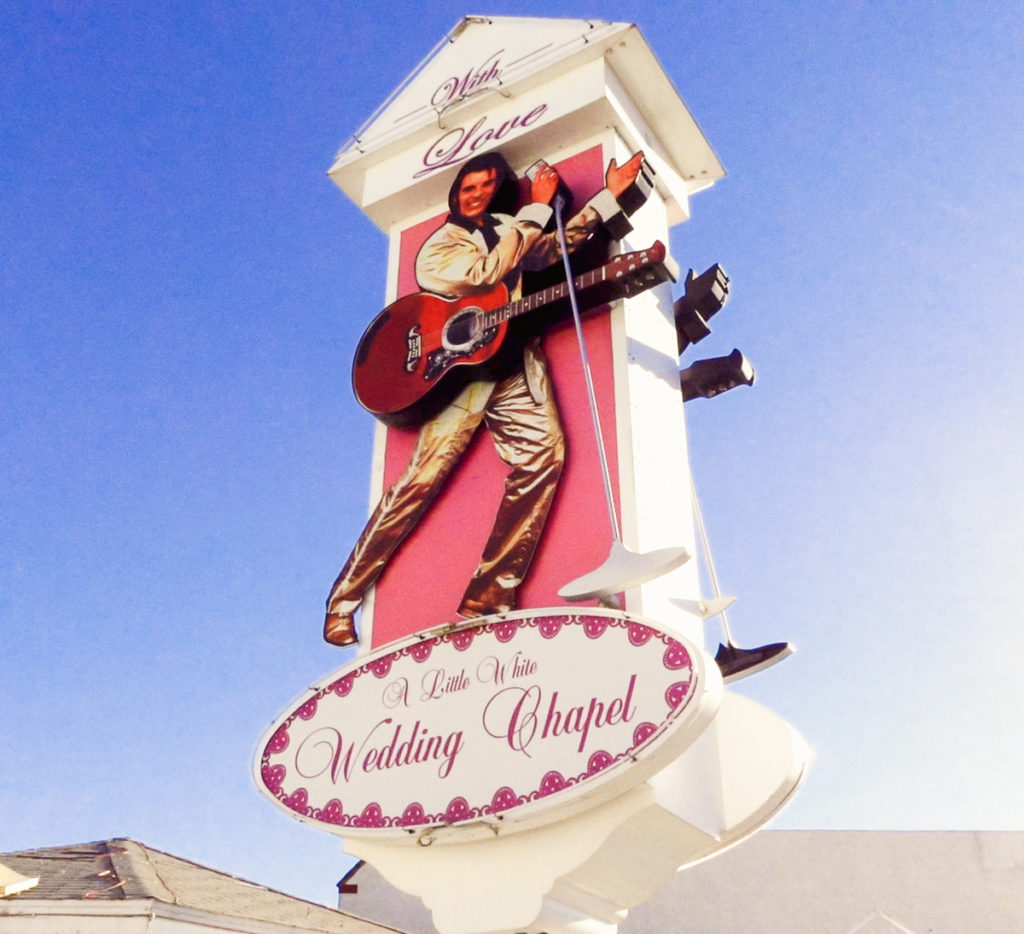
column 526, row 46
column 487, row 61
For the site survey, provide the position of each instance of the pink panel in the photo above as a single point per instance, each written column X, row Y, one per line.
column 425, row 580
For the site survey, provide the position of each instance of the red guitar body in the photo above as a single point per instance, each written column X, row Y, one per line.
column 416, row 343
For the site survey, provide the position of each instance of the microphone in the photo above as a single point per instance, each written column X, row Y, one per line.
column 562, row 200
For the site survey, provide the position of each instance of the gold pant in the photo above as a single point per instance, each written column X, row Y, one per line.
column 528, row 437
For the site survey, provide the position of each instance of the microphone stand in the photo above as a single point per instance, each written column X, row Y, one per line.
column 623, row 568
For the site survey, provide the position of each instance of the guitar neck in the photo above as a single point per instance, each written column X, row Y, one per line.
column 541, row 299
column 624, row 276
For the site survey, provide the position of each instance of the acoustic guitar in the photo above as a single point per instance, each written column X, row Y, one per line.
column 422, row 349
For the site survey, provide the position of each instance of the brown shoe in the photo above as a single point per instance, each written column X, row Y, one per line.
column 473, row 609
column 340, row 629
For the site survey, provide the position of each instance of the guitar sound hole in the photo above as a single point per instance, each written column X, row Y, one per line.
column 462, row 331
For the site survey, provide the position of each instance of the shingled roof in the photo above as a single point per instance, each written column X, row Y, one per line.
column 122, row 870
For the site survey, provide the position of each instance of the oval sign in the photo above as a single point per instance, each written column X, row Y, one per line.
column 505, row 723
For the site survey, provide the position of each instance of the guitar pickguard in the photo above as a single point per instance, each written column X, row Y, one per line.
column 439, row 360
column 414, row 348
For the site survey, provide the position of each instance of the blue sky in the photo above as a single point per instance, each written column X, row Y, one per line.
column 183, row 467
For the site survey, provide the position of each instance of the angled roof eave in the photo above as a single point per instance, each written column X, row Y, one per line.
column 662, row 107
column 627, row 55
column 374, row 140
column 377, row 139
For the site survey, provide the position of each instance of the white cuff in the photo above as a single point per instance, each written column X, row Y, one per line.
column 535, row 213
column 605, row 204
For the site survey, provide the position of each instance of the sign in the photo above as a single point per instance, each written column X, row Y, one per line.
column 542, row 745
column 507, row 722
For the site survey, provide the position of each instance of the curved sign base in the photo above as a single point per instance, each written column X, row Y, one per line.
column 581, row 875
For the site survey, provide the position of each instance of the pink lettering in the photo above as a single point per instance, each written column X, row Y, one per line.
column 518, row 725
column 456, row 87
column 512, row 715
column 595, row 714
column 438, row 682
column 459, row 144
column 324, row 751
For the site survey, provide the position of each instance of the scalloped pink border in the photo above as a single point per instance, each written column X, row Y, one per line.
column 675, row 658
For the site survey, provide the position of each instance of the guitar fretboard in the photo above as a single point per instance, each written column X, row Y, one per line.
column 536, row 300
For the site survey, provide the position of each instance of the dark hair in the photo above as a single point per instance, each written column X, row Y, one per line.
column 506, row 190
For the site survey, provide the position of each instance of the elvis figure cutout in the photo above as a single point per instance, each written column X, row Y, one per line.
column 482, row 244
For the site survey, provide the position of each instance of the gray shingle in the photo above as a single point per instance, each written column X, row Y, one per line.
column 125, row 869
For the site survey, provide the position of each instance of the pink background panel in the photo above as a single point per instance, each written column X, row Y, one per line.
column 425, row 580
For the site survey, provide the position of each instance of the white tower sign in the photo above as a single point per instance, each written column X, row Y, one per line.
column 533, row 737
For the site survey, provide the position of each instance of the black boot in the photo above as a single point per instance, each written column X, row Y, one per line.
column 736, row 663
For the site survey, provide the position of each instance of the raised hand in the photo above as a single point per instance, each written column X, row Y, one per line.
column 619, row 177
